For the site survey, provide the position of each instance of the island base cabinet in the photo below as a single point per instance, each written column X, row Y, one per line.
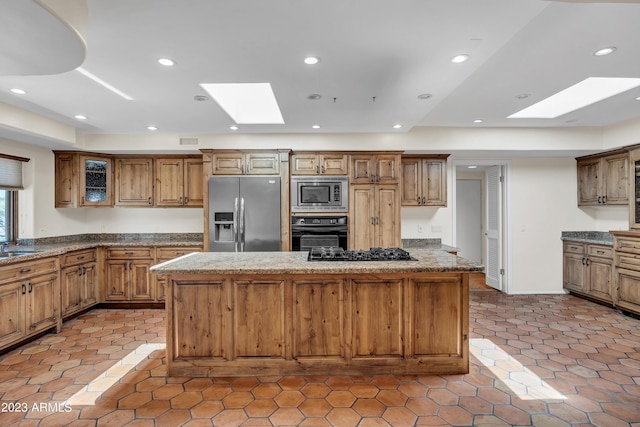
column 628, row 295
column 235, row 325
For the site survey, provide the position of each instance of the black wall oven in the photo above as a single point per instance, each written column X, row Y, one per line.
column 311, row 231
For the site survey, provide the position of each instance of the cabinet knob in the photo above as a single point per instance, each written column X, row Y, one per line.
column 419, row 200
column 149, row 201
column 424, row 200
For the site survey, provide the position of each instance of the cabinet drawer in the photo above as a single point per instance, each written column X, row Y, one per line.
column 129, row 253
column 574, row 248
column 629, row 245
column 631, row 262
column 600, row 251
column 175, row 252
column 78, row 257
column 28, row 269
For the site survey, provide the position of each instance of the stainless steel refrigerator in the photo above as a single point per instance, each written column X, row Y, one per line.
column 244, row 213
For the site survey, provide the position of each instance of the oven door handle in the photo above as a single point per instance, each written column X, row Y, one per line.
column 318, row 229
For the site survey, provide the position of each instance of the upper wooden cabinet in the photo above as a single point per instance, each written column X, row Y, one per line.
column 134, row 182
column 603, row 179
column 424, row 180
column 83, row 180
column 179, row 182
column 383, row 168
column 245, row 163
column 319, row 164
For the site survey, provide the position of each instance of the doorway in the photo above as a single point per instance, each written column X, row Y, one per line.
column 480, row 216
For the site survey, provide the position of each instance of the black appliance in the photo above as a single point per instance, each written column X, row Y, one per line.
column 310, row 231
column 373, row 254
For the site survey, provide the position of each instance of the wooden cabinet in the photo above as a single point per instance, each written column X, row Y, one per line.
column 627, row 271
column 29, row 299
column 245, row 163
column 83, row 180
column 134, row 182
column 374, row 216
column 634, row 189
column 79, row 286
column 166, row 254
column 603, row 179
column 179, row 182
column 588, row 270
column 374, row 168
column 127, row 274
column 424, row 180
column 319, row 164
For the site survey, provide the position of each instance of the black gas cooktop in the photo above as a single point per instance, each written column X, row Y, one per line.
column 335, row 253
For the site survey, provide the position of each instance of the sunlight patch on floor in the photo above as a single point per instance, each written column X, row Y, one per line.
column 92, row 391
column 520, row 380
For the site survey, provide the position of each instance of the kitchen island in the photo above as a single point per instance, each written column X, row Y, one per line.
column 275, row 313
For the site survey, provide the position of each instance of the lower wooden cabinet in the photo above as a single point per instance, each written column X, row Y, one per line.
column 127, row 274
column 29, row 300
column 588, row 270
column 627, row 271
column 79, row 287
column 167, row 254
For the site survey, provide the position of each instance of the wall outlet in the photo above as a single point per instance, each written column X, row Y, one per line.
column 420, row 228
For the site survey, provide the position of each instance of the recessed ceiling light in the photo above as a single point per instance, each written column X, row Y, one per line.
column 233, row 127
column 246, row 103
column 314, row 97
column 586, row 92
column 605, row 51
column 311, row 60
column 424, row 96
column 477, row 121
column 166, row 62
column 459, row 58
column 18, row 91
column 152, row 128
column 201, row 98
column 80, row 117
column 472, row 167
column 397, row 126
column 523, row 95
column 316, row 126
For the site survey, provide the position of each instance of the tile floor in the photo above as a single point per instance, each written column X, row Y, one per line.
column 535, row 361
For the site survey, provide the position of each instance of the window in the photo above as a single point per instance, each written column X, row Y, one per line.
column 7, row 216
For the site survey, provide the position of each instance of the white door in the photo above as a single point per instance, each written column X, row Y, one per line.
column 493, row 230
column 469, row 219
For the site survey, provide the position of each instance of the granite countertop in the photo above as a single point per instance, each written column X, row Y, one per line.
column 296, row 263
column 43, row 248
column 595, row 237
column 427, row 244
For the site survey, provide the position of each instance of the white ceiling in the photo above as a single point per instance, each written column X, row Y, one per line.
column 377, row 56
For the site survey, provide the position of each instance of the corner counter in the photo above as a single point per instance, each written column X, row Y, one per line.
column 275, row 313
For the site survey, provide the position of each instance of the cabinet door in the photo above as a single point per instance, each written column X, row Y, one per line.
column 161, row 288
column 193, row 183
column 334, row 164
column 89, row 285
column 134, row 182
column 117, row 284
column 71, row 289
column 628, row 290
column 588, row 189
column 141, row 282
column 12, row 326
column 262, row 163
column 95, row 181
column 411, row 181
column 66, row 191
column 227, row 163
column 574, row 272
column 615, row 171
column 387, row 221
column 362, row 168
column 362, row 216
column 43, row 303
column 434, row 182
column 387, row 168
column 169, row 182
column 305, row 164
column 600, row 276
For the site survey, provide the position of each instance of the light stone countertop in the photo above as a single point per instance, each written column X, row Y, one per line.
column 595, row 237
column 296, row 263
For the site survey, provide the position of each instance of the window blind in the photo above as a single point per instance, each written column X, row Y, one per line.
column 11, row 172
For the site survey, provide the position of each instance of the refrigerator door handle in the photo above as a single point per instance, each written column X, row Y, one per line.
column 242, row 224
column 235, row 225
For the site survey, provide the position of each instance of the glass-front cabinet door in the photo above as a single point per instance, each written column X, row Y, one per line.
column 634, row 182
column 95, row 181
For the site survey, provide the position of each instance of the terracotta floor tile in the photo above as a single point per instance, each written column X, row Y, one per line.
column 268, row 390
column 237, row 399
column 207, row 409
column 231, row 417
column 314, row 390
column 186, row 400
column 369, row 407
column 343, row 417
column 173, row 418
column 339, row 382
column 261, row 408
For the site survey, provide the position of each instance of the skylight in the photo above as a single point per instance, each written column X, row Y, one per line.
column 246, row 103
column 587, row 92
